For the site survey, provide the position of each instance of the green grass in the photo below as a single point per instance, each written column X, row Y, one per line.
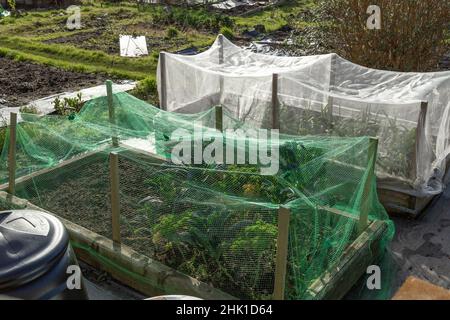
column 24, row 38
column 274, row 18
column 74, row 59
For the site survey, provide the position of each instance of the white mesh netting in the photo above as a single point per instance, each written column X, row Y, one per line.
column 324, row 94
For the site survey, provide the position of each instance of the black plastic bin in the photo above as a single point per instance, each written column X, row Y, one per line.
column 35, row 256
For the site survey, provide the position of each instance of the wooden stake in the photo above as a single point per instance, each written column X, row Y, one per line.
column 275, row 103
column 219, row 118
column 112, row 113
column 282, row 252
column 331, row 84
column 115, row 197
column 220, row 48
column 420, row 138
column 12, row 153
column 366, row 197
column 162, row 70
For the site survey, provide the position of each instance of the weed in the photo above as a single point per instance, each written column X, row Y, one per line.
column 227, row 32
column 31, row 109
column 68, row 106
column 171, row 33
column 146, row 90
column 190, row 18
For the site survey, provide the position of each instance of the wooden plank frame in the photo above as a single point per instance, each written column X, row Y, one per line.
column 94, row 249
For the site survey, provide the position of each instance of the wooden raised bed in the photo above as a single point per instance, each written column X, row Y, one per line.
column 154, row 278
column 397, row 194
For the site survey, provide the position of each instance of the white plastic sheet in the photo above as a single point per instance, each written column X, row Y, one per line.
column 326, row 94
column 133, row 46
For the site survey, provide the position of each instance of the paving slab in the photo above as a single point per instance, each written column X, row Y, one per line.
column 417, row 289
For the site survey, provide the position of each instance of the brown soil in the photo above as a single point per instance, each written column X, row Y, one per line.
column 22, row 82
column 81, row 194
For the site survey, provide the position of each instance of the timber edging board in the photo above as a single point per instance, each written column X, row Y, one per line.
column 338, row 280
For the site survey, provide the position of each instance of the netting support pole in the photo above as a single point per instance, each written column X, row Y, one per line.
column 366, row 198
column 162, row 70
column 275, row 103
column 220, row 62
column 12, row 153
column 420, row 139
column 282, row 252
column 115, row 197
column 331, row 85
column 219, row 118
column 112, row 113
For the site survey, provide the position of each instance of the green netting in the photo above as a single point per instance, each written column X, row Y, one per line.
column 216, row 222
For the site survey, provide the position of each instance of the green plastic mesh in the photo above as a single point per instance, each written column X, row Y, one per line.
column 215, row 222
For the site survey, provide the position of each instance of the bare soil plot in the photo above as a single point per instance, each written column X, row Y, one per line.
column 22, row 82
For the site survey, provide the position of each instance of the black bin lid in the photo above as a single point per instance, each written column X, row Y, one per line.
column 31, row 242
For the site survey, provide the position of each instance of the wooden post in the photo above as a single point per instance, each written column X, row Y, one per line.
column 12, row 153
column 331, row 84
column 112, row 113
column 115, row 197
column 282, row 253
column 275, row 103
column 220, row 48
column 366, row 196
column 220, row 62
column 219, row 118
column 162, row 72
column 420, row 138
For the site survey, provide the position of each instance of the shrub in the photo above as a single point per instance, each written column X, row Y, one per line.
column 171, row 32
column 227, row 32
column 31, row 109
column 146, row 89
column 190, row 18
column 411, row 37
column 68, row 106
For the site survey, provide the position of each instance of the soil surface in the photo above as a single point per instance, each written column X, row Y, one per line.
column 22, row 82
column 88, row 179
